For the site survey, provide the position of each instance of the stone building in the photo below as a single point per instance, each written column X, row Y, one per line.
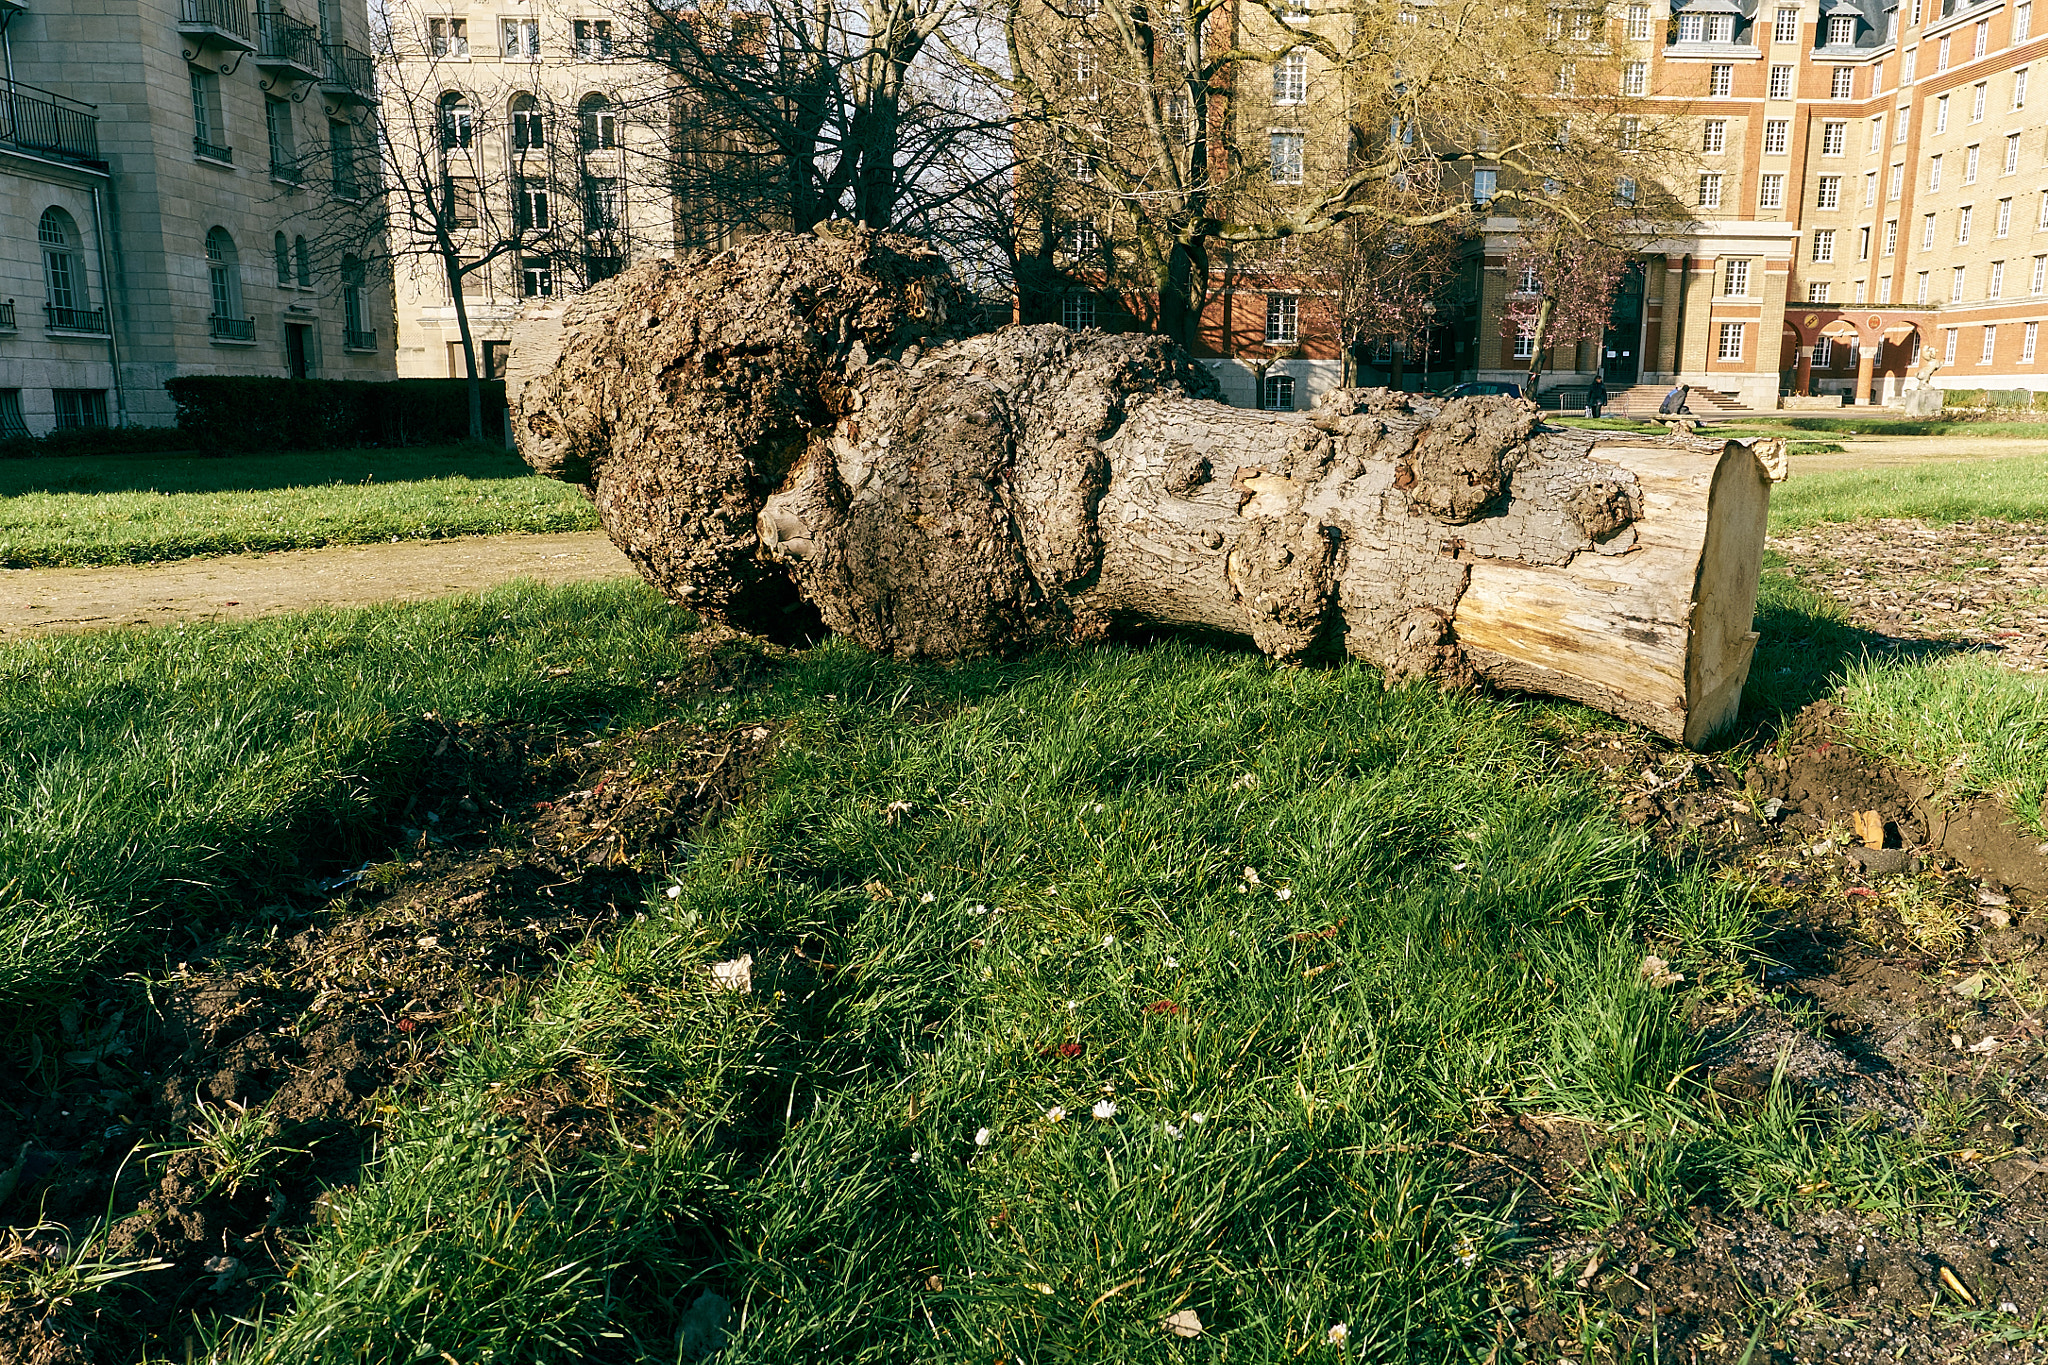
column 554, row 136
column 166, row 166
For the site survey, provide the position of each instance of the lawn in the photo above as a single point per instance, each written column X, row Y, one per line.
column 134, row 510
column 1161, row 980
column 2012, row 488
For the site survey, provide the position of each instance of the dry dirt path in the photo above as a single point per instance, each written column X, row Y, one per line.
column 41, row 601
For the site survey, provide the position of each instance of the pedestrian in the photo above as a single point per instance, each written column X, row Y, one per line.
column 1596, row 396
column 1674, row 401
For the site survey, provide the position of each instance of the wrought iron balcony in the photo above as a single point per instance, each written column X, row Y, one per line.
column 231, row 329
column 352, row 340
column 350, row 74
column 91, row 321
column 212, row 151
column 49, row 124
column 7, row 315
column 288, row 46
column 225, row 22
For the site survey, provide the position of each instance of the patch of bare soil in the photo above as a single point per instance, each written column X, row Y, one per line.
column 255, row 1078
column 1901, row 991
column 1984, row 582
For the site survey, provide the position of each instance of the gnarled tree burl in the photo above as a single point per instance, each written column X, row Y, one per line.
column 795, row 421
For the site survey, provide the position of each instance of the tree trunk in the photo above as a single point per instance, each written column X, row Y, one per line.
column 754, row 436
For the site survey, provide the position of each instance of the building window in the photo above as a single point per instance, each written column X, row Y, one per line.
column 341, row 159
column 1781, row 83
column 1631, row 134
column 600, row 123
column 1906, row 65
column 2004, row 218
column 529, row 126
column 2022, row 20
column 64, row 273
column 303, row 255
column 536, row 278
column 1884, row 290
column 1834, row 137
column 1901, row 123
column 1785, row 26
column 1862, row 246
column 1721, row 75
column 1279, row 395
column 458, row 122
column 2028, row 338
column 2019, row 88
column 2040, row 284
column 448, row 37
column 1941, row 55
column 1736, row 280
column 2043, row 223
column 1970, row 164
column 1817, row 291
column 1983, row 38
column 1527, row 282
column 209, row 121
column 1830, row 192
column 1996, row 288
column 1776, row 135
column 1891, row 236
column 1283, row 319
column 1638, row 23
column 1934, row 173
column 1957, row 278
column 1484, row 181
column 598, row 269
column 1941, row 114
column 1290, row 78
column 1842, row 83
column 1714, row 137
column 13, row 425
column 519, row 39
column 1927, row 233
column 1877, row 134
column 1923, row 288
column 604, row 208
column 1963, row 216
column 1285, row 148
column 1823, row 245
column 593, row 38
column 80, row 408
column 1710, row 190
column 1525, row 344
column 1082, row 240
column 1869, row 189
column 530, row 205
column 281, row 253
column 1635, row 78
column 1077, row 311
column 1948, row 345
column 1977, row 101
column 1990, row 345
column 1770, row 191
column 277, row 126
column 1841, row 30
column 1859, row 287
column 355, row 336
column 224, row 278
column 1731, row 341
column 1898, row 183
column 1824, row 354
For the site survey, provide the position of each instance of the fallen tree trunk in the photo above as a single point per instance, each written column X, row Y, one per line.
column 785, row 428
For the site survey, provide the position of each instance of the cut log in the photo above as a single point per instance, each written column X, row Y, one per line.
column 784, row 437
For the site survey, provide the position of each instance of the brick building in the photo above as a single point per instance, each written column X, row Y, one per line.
column 166, row 167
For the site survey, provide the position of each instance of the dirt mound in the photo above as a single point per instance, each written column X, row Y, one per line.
column 253, row 1083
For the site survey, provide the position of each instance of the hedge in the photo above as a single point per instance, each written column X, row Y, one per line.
column 223, row 413
column 96, row 441
column 2004, row 399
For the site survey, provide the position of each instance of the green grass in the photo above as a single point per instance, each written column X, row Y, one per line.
column 2014, row 488
column 115, row 510
column 1033, row 882
column 1972, row 726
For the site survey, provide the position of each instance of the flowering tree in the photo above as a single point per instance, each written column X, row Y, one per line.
column 1563, row 277
column 1389, row 280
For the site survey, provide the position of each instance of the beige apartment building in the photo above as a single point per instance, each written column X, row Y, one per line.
column 552, row 136
column 170, row 169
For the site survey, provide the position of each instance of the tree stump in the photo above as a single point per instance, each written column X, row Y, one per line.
column 786, row 435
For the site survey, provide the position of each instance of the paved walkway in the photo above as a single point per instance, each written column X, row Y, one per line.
column 39, row 601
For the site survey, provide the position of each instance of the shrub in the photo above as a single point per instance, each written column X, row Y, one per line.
column 252, row 412
column 2008, row 398
column 96, row 441
column 1962, row 398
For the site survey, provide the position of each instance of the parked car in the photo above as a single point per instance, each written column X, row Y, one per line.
column 1484, row 388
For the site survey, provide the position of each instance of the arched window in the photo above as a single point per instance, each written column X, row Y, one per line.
column 458, row 120
column 281, row 250
column 600, row 123
column 305, row 260
column 65, row 295
column 529, row 127
column 224, row 277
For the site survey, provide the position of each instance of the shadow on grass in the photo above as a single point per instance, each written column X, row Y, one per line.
column 256, row 473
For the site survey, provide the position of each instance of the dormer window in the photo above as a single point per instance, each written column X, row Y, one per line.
column 1841, row 30
column 1706, row 28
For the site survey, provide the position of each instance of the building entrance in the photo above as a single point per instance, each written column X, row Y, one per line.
column 1621, row 358
column 295, row 349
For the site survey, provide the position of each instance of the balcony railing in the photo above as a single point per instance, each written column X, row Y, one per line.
column 283, row 41
column 40, row 121
column 212, row 151
column 227, row 19
column 92, row 321
column 352, row 340
column 231, row 329
column 349, row 72
column 287, row 171
column 7, row 315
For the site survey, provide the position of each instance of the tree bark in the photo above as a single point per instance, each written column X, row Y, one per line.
column 782, row 426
